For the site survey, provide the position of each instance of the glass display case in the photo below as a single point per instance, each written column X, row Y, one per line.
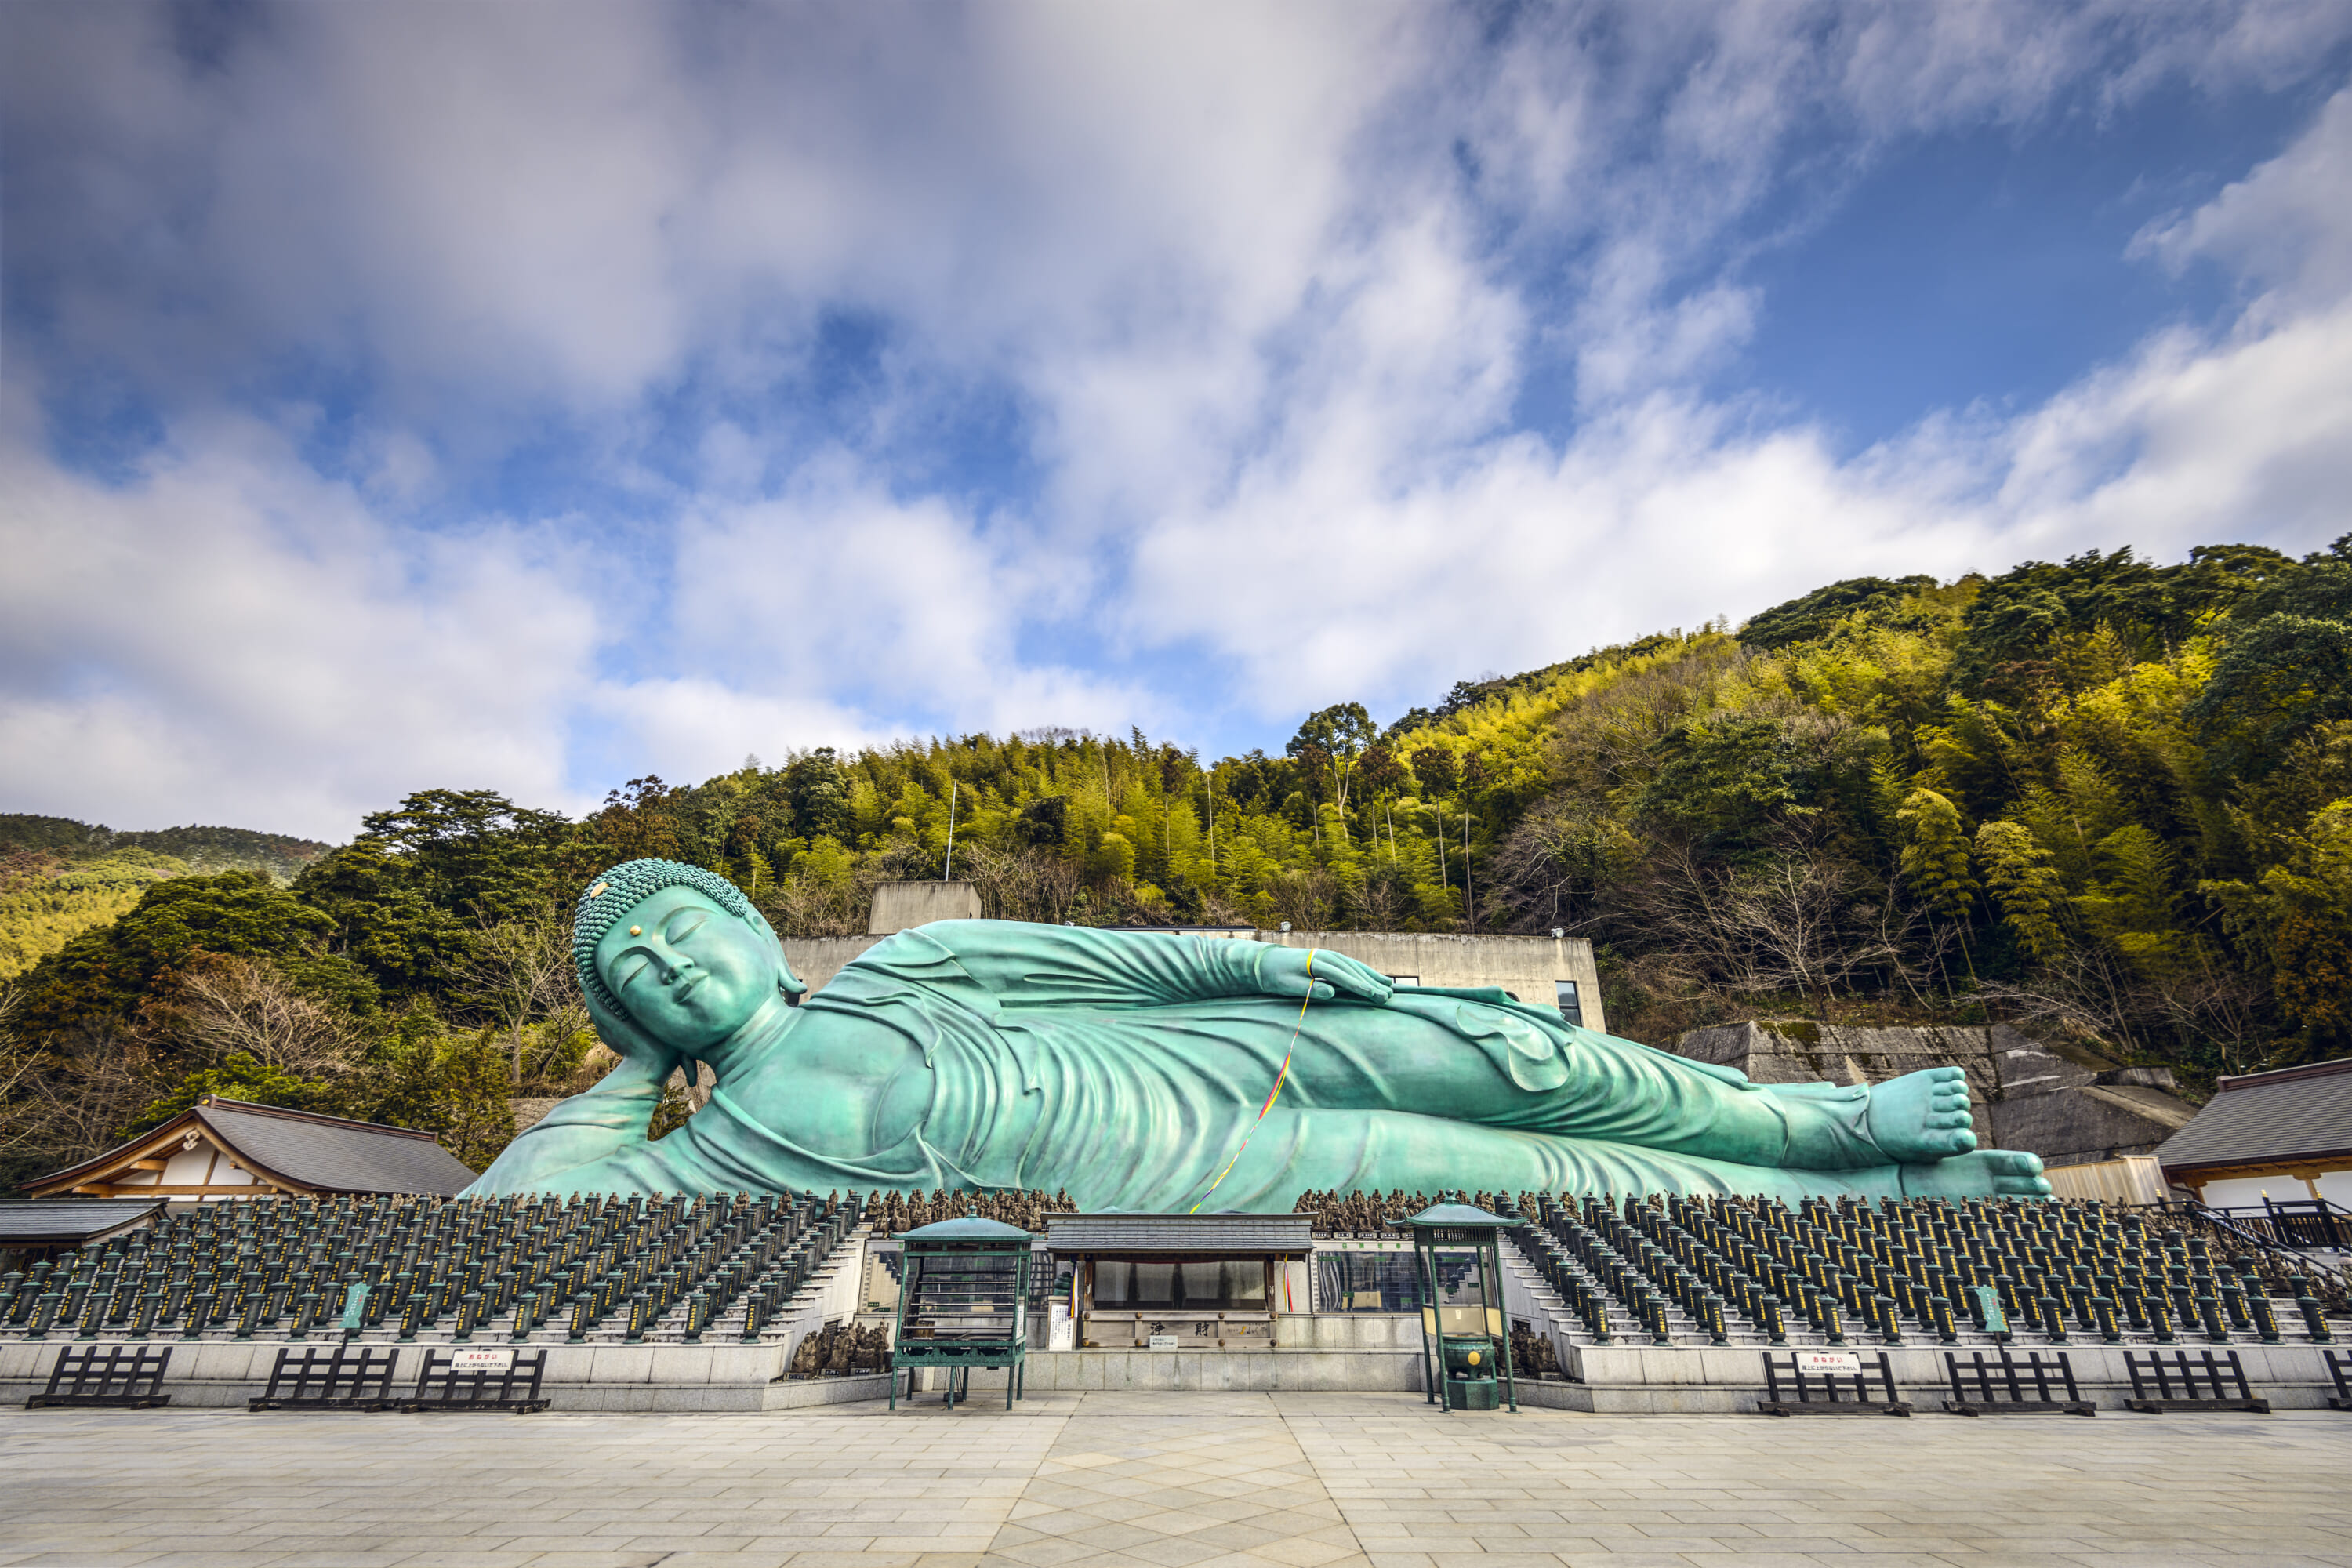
column 1465, row 1343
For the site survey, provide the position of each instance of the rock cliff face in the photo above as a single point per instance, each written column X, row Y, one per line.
column 2068, row 1105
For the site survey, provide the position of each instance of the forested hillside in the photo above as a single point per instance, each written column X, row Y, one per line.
column 59, row 876
column 2102, row 797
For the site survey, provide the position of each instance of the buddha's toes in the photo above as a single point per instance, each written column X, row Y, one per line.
column 1986, row 1173
column 1922, row 1115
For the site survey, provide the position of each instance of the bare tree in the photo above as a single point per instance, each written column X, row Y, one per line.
column 1802, row 919
column 2210, row 1009
column 1552, row 868
column 519, row 973
column 1308, row 896
column 1382, row 899
column 220, row 1003
column 71, row 1100
column 802, row 906
column 1026, row 883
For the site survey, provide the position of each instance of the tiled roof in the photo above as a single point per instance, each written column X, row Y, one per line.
column 1462, row 1216
column 323, row 1153
column 967, row 1229
column 1180, row 1232
column 335, row 1155
column 2268, row 1117
column 69, row 1219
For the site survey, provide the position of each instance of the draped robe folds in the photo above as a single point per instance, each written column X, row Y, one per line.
column 1131, row 1068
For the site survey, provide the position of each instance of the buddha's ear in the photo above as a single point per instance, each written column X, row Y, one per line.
column 788, row 983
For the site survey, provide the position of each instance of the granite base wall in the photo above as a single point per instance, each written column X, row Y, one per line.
column 1256, row 1372
column 1603, row 1379
column 214, row 1374
column 1698, row 1380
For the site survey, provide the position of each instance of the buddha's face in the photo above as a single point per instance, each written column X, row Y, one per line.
column 690, row 972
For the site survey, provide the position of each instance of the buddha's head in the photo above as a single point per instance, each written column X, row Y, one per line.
column 677, row 953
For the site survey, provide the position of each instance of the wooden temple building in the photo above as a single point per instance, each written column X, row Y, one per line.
column 227, row 1149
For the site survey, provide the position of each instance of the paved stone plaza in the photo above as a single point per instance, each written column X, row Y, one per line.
column 1174, row 1481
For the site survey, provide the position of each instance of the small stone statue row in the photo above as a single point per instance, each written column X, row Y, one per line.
column 841, row 1348
column 892, row 1212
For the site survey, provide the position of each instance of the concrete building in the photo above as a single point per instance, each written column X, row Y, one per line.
column 899, row 905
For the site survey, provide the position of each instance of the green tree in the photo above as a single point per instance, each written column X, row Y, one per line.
column 1333, row 738
column 1817, row 614
column 472, row 852
column 1935, row 860
column 106, row 973
column 2025, row 885
column 2278, row 680
column 240, row 1077
column 1438, row 769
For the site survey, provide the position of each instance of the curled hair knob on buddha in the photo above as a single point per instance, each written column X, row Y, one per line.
column 608, row 901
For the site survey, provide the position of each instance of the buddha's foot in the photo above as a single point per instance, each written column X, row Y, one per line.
column 1921, row 1116
column 1986, row 1174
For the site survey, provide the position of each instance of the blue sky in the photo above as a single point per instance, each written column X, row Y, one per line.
column 534, row 397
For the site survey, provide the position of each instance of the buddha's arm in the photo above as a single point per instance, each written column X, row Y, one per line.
column 1025, row 965
column 603, row 1121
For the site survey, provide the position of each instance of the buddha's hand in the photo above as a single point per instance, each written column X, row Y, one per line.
column 1319, row 972
column 645, row 1061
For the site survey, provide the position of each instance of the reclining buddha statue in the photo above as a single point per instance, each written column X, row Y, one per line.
column 1163, row 1072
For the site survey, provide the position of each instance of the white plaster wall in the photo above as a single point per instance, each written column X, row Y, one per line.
column 186, row 1168
column 2246, row 1192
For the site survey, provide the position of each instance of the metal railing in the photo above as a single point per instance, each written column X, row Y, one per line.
column 2301, row 1225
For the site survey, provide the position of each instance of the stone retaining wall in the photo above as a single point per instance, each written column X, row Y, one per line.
column 1606, row 1379
column 225, row 1374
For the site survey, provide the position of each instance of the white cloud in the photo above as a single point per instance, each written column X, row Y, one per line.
column 2285, row 227
column 901, row 608
column 1257, row 287
column 1507, row 553
column 227, row 638
column 692, row 727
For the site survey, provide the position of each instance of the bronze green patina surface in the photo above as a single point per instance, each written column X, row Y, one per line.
column 1130, row 1068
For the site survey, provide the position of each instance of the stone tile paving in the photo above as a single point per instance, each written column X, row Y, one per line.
column 1176, row 1480
column 1548, row 1487
column 1197, row 1480
column 320, row 1490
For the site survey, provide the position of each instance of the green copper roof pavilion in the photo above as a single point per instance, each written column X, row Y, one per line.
column 963, row 1302
column 1463, row 1335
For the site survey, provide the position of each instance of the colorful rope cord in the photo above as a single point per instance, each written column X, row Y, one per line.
column 1279, row 1079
